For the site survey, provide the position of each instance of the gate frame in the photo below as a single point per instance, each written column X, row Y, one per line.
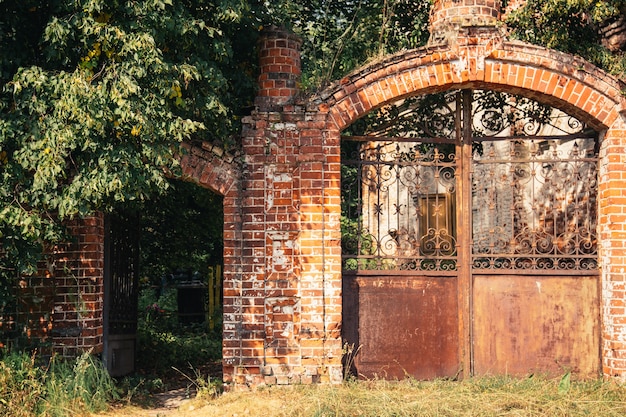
column 366, row 280
column 557, row 79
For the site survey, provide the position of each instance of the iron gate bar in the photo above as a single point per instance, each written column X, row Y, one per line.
column 443, row 140
column 571, row 136
column 401, row 273
column 122, row 277
column 464, row 219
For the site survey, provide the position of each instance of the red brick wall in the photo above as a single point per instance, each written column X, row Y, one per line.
column 79, row 295
column 282, row 297
column 612, row 233
column 61, row 305
column 282, row 306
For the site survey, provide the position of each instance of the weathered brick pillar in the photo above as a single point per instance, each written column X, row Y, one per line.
column 465, row 13
column 79, row 295
column 282, row 310
column 61, row 305
column 612, row 234
column 280, row 70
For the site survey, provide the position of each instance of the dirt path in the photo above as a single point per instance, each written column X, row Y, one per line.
column 165, row 404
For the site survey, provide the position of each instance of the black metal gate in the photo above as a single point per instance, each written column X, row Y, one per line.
column 121, row 286
column 469, row 220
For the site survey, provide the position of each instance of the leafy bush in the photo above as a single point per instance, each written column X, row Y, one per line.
column 164, row 344
column 61, row 388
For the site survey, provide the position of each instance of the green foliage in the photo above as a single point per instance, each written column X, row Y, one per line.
column 20, row 386
column 570, row 26
column 62, row 388
column 338, row 36
column 7, row 309
column 181, row 231
column 161, row 349
column 164, row 344
column 566, row 383
column 96, row 97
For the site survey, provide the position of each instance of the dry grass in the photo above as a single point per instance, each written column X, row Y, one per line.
column 476, row 397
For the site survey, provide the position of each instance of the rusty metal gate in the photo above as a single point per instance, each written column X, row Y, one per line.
column 121, row 290
column 469, row 239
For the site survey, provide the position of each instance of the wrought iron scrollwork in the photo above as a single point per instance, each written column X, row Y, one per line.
column 403, row 217
column 540, row 210
column 533, row 186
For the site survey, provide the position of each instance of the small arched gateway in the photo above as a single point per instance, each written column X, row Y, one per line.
column 482, row 278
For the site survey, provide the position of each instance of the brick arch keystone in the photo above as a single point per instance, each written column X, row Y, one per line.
column 563, row 81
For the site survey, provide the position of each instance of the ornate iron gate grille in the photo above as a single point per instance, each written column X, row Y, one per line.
column 533, row 179
column 405, row 197
column 534, row 207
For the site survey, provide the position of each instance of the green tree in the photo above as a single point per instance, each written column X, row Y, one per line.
column 340, row 35
column 181, row 231
column 96, row 96
column 571, row 26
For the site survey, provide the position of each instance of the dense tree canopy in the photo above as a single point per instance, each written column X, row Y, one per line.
column 340, row 35
column 96, row 95
column 180, row 233
column 573, row 26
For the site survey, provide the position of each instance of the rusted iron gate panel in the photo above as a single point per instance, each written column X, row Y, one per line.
column 400, row 325
column 542, row 324
column 447, row 221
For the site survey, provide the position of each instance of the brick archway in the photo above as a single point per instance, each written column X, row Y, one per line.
column 556, row 79
column 283, row 300
column 211, row 167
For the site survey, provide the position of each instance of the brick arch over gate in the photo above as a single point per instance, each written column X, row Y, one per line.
column 282, row 291
column 563, row 81
column 211, row 167
column 557, row 79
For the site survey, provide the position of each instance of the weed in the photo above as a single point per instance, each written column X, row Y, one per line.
column 58, row 389
column 349, row 355
column 203, row 386
column 484, row 396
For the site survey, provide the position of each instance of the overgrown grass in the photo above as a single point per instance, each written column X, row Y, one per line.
column 164, row 343
column 58, row 389
column 493, row 396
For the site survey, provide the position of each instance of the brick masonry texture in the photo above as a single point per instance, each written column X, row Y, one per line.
column 284, row 320
column 446, row 13
column 61, row 305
